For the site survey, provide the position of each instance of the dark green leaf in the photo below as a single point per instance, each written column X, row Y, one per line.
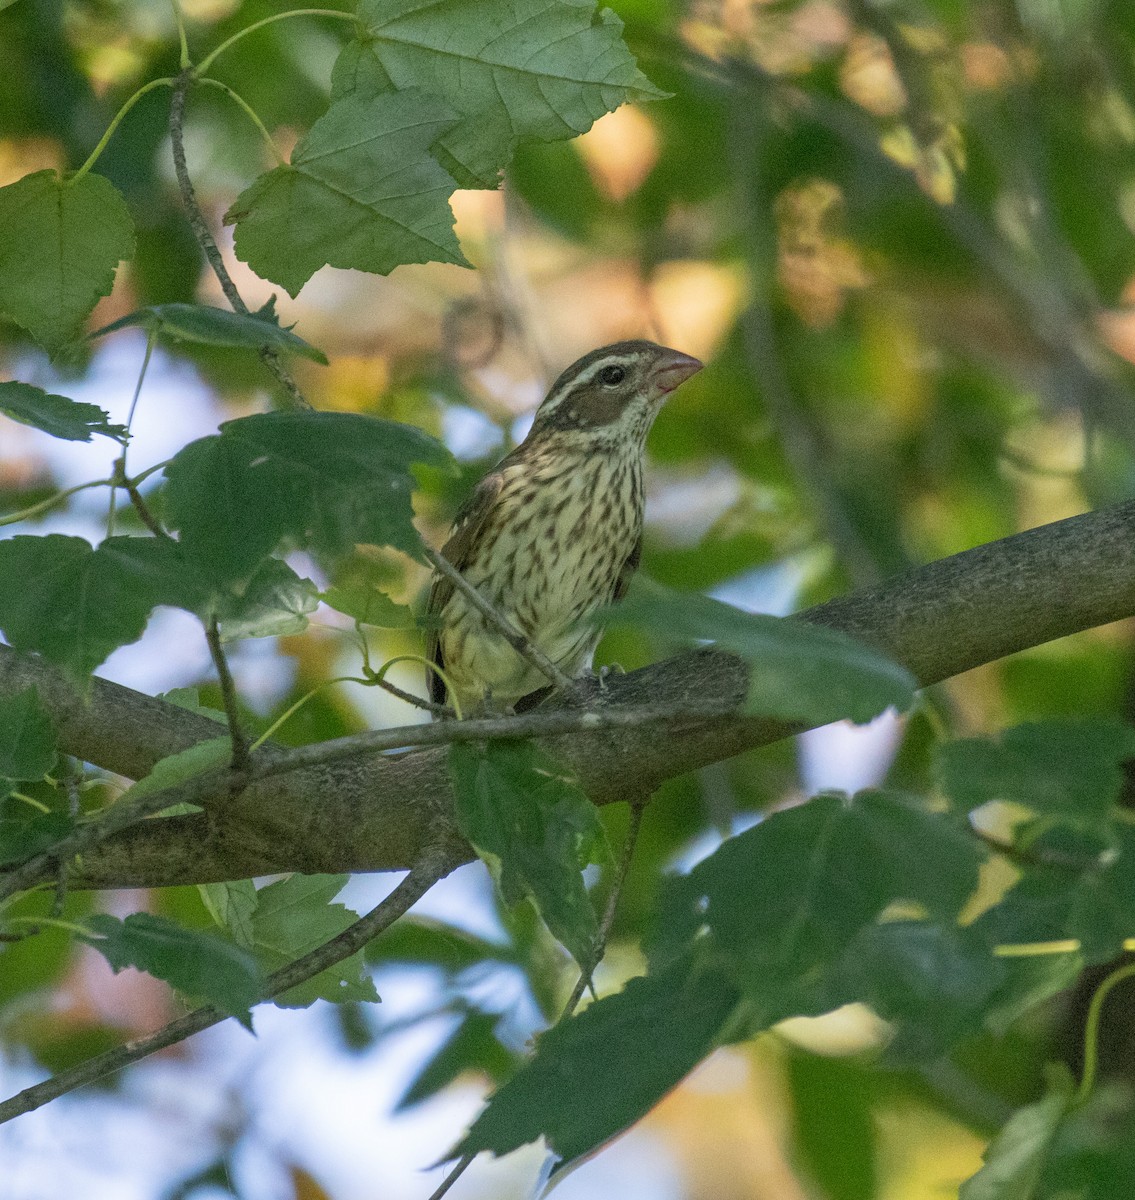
column 800, row 672
column 416, row 939
column 787, row 897
column 361, row 191
column 60, row 245
column 1016, row 1157
column 932, row 981
column 473, row 1046
column 218, row 327
column 72, row 604
column 57, row 415
column 596, row 1074
column 198, row 964
column 275, row 603
column 294, row 916
column 1030, row 980
column 1064, row 768
column 535, row 829
column 27, row 737
column 22, row 838
column 543, row 69
column 324, row 480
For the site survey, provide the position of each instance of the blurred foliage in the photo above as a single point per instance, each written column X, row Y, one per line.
column 901, row 236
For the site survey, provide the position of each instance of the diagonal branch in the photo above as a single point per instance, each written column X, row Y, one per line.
column 435, row 864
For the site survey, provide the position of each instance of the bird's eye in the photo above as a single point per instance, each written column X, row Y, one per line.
column 612, row 375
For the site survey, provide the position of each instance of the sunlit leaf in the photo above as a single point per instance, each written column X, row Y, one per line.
column 60, row 244
column 361, row 191
column 543, row 69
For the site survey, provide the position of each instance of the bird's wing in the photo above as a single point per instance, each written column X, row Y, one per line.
column 467, row 525
column 629, row 568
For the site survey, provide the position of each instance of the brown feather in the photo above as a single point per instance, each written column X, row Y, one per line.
column 467, row 525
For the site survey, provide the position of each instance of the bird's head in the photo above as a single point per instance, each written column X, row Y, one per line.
column 612, row 395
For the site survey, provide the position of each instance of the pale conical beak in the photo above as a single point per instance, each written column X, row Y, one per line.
column 673, row 370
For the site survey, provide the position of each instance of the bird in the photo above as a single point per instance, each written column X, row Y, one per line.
column 553, row 533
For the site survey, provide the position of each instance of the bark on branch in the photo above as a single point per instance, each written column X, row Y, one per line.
column 373, row 812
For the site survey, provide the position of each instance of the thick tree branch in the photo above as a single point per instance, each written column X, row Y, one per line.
column 373, row 812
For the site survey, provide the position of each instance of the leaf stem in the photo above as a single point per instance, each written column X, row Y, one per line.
column 1092, row 1030
column 93, row 157
column 184, row 61
column 120, row 465
column 52, row 500
column 435, row 864
column 251, row 113
column 379, row 677
column 209, row 59
column 294, row 708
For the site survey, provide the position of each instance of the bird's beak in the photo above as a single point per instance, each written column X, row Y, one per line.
column 673, row 370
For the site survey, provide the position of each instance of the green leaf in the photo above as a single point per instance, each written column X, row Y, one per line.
column 274, row 604
column 513, row 69
column 535, row 828
column 177, row 768
column 473, row 1046
column 1063, row 768
column 801, row 672
column 596, row 1074
column 356, row 590
column 70, row 603
column 294, row 916
column 60, row 245
column 22, row 838
column 218, row 327
column 189, row 699
column 27, row 737
column 232, row 905
column 361, row 191
column 787, row 897
column 57, row 415
column 323, row 480
column 1016, row 1157
column 198, row 964
column 416, row 939
column 933, row 981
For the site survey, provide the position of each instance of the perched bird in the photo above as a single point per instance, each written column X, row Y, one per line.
column 554, row 531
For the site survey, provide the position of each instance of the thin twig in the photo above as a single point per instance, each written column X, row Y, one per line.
column 209, row 785
column 142, row 508
column 584, row 980
column 239, row 762
column 525, row 648
column 204, row 237
column 433, row 865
